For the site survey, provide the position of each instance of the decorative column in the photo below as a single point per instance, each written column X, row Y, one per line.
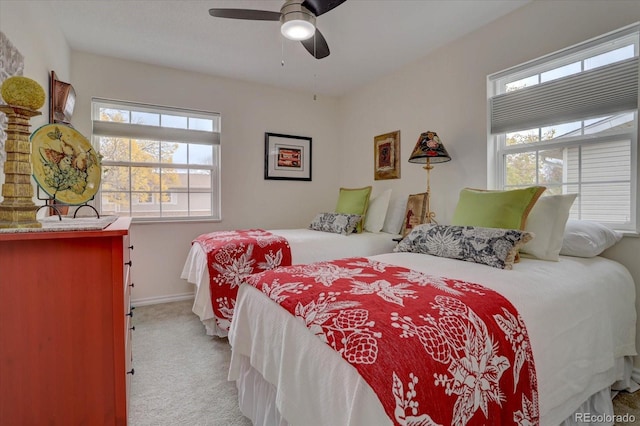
column 17, row 209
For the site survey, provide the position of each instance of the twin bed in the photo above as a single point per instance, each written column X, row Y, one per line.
column 306, row 246
column 449, row 329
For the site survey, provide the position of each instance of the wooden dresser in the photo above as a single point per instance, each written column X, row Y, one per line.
column 65, row 331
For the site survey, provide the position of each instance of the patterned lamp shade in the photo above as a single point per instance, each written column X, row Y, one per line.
column 429, row 149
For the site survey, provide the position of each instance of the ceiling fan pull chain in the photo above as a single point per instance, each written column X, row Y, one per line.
column 315, row 81
column 282, row 54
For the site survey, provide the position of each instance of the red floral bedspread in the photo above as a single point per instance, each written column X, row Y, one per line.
column 234, row 255
column 436, row 351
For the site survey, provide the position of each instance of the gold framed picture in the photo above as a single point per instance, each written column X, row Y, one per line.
column 386, row 156
column 416, row 212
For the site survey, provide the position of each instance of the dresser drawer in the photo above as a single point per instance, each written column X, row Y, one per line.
column 128, row 263
column 127, row 300
column 129, row 363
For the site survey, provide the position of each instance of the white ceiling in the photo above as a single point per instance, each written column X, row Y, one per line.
column 367, row 38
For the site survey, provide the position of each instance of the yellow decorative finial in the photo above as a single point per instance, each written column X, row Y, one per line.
column 23, row 92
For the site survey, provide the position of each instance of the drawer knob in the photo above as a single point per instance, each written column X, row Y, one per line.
column 132, row 285
column 132, row 372
column 131, row 247
column 128, row 263
column 132, row 328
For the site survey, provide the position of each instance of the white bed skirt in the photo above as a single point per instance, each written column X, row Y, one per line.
column 257, row 398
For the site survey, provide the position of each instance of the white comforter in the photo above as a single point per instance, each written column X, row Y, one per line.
column 579, row 313
column 306, row 246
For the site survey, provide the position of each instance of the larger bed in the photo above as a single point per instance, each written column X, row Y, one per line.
column 306, row 246
column 579, row 314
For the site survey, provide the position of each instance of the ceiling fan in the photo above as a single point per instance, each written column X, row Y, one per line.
column 297, row 21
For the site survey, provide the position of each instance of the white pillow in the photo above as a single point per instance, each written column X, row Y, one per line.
column 377, row 211
column 583, row 238
column 395, row 215
column 546, row 221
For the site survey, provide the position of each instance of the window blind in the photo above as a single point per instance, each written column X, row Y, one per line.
column 137, row 131
column 606, row 90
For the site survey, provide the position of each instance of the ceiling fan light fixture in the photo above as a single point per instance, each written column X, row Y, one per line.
column 297, row 29
column 297, row 22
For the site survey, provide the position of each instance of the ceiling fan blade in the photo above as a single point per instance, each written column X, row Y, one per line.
column 317, row 45
column 251, row 14
column 318, row 7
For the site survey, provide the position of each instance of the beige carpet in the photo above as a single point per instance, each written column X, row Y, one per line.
column 181, row 374
column 627, row 404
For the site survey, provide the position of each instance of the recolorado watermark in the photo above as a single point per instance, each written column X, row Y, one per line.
column 603, row 418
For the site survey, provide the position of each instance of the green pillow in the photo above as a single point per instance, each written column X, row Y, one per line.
column 354, row 201
column 496, row 209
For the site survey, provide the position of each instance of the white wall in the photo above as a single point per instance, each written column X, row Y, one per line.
column 446, row 92
column 43, row 51
column 248, row 200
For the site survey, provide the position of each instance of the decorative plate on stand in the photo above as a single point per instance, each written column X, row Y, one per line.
column 65, row 165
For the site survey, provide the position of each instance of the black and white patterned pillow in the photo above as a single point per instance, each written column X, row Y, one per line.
column 490, row 246
column 337, row 223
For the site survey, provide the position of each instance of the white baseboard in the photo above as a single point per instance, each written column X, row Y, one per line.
column 162, row 299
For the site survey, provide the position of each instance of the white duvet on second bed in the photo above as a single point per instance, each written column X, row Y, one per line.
column 579, row 313
column 306, row 246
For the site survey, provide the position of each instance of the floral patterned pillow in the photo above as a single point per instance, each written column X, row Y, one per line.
column 490, row 246
column 338, row 223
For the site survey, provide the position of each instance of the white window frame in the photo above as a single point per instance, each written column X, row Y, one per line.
column 516, row 111
column 190, row 137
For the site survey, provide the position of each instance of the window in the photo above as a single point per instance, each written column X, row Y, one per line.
column 158, row 163
column 569, row 121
